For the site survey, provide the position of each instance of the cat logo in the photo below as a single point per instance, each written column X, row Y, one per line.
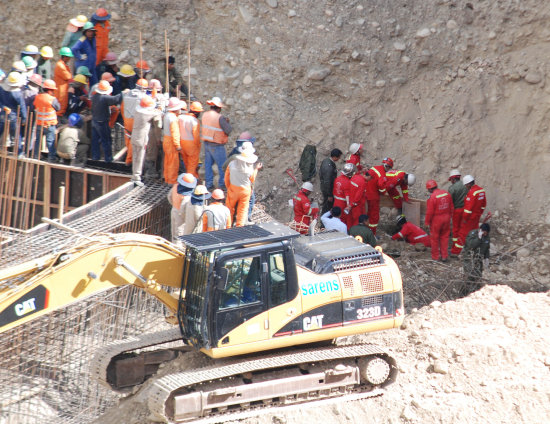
column 25, row 307
column 313, row 323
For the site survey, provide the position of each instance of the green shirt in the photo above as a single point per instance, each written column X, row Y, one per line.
column 475, row 245
column 363, row 234
column 458, row 193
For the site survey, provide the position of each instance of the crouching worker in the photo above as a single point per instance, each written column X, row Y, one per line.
column 73, row 143
column 410, row 233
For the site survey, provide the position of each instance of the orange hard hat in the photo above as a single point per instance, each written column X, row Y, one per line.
column 196, row 107
column 431, row 184
column 103, row 87
column 142, row 64
column 218, row 194
column 49, row 85
column 107, row 76
column 146, row 102
column 142, row 82
column 101, row 12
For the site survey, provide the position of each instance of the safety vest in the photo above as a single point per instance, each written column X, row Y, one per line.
column 187, row 123
column 211, row 130
column 45, row 113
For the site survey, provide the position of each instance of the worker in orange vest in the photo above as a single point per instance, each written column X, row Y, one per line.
column 46, row 106
column 102, row 26
column 439, row 210
column 190, row 137
column 215, row 131
column 62, row 76
column 171, row 140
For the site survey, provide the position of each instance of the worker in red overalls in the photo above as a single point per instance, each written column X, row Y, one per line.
column 376, row 186
column 400, row 179
column 439, row 210
column 458, row 192
column 358, row 198
column 410, row 233
column 342, row 189
column 304, row 210
column 355, row 150
column 474, row 205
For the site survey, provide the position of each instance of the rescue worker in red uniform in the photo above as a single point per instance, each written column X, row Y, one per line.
column 376, row 186
column 304, row 209
column 400, row 179
column 439, row 209
column 411, row 233
column 474, row 205
column 342, row 189
column 355, row 150
column 458, row 192
column 358, row 198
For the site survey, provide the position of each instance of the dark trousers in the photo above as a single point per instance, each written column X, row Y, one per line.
column 101, row 135
column 49, row 133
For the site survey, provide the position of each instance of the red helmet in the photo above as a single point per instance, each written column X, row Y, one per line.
column 388, row 161
column 101, row 12
column 431, row 184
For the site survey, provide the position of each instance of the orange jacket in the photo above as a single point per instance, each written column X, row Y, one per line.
column 45, row 113
column 211, row 129
column 101, row 40
column 62, row 75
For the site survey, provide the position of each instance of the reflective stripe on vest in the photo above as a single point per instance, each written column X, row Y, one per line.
column 45, row 113
column 343, row 199
column 479, row 191
column 211, row 130
column 396, row 197
column 419, row 237
column 441, row 195
column 467, row 211
column 376, row 170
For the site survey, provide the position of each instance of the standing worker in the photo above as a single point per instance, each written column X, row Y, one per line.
column 375, row 187
column 84, row 51
column 194, row 210
column 101, row 115
column 355, row 150
column 44, row 68
column 216, row 215
column 474, row 205
column 358, row 198
column 143, row 118
column 476, row 256
column 171, row 140
column 13, row 104
column 179, row 196
column 400, row 179
column 46, row 105
column 327, row 174
column 130, row 101
column 62, row 76
column 215, row 131
column 174, row 79
column 439, row 209
column 102, row 27
column 458, row 192
column 304, row 210
column 341, row 191
column 240, row 176
column 74, row 31
column 190, row 137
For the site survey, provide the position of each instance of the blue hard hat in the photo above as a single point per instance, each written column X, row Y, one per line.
column 74, row 119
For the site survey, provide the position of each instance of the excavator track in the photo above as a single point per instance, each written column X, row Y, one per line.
column 235, row 389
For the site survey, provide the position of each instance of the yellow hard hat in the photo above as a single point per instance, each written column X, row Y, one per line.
column 81, row 79
column 79, row 21
column 15, row 79
column 126, row 71
column 30, row 49
column 19, row 66
column 46, row 52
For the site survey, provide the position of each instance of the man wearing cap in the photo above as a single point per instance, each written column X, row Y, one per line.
column 216, row 215
column 475, row 256
column 190, row 137
column 143, row 117
column 178, row 197
column 215, row 131
column 46, row 105
column 362, row 232
column 474, row 205
column 44, row 67
column 84, row 51
column 304, row 210
column 439, row 209
column 101, row 114
column 458, row 192
column 73, row 31
column 62, row 76
column 14, row 106
column 327, row 174
column 102, row 27
column 194, row 210
column 410, row 233
column 171, row 139
column 240, row 176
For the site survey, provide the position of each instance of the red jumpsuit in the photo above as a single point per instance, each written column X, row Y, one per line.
column 413, row 235
column 355, row 159
column 397, row 179
column 358, row 199
column 439, row 210
column 474, row 205
column 341, row 194
column 303, row 212
column 375, row 186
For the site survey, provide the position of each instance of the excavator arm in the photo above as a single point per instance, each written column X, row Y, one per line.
column 38, row 287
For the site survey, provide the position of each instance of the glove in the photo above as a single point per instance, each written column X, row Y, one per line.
column 486, row 263
column 479, row 234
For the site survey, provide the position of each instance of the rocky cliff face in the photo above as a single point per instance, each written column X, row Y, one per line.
column 435, row 84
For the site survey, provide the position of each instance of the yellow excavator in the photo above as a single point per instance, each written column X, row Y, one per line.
column 262, row 301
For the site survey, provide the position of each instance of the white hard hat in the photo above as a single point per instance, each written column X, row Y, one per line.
column 307, row 186
column 454, row 173
column 354, row 148
column 411, row 179
column 467, row 179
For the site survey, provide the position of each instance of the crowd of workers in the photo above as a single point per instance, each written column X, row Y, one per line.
column 351, row 204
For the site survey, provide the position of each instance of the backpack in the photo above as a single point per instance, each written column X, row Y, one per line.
column 308, row 162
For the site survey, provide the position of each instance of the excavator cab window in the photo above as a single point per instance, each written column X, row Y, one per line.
column 243, row 285
column 278, row 284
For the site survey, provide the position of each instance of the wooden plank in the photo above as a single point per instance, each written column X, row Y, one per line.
column 47, row 190
column 412, row 211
